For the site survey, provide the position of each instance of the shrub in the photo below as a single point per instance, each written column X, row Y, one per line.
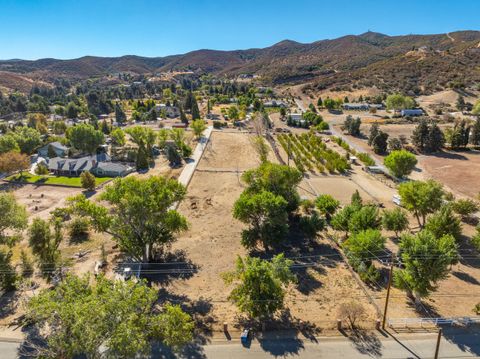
column 79, row 228
column 88, row 181
column 366, row 159
column 352, row 312
column 41, row 169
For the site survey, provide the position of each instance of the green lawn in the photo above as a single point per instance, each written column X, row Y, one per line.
column 54, row 180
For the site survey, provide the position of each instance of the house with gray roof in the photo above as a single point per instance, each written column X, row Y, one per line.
column 100, row 165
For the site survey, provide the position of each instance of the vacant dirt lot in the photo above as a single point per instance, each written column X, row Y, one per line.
column 41, row 200
column 213, row 242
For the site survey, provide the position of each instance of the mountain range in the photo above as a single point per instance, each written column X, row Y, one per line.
column 409, row 63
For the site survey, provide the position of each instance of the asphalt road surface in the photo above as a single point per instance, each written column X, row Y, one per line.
column 453, row 345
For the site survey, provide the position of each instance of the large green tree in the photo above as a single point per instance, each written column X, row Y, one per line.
column 28, row 139
column 278, row 179
column 80, row 318
column 85, row 138
column 398, row 102
column 140, row 216
column 426, row 260
column 400, row 163
column 421, row 198
column 260, row 285
column 267, row 215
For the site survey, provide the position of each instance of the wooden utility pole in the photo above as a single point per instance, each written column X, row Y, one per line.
column 390, row 275
column 437, row 348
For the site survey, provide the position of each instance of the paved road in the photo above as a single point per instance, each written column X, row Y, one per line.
column 453, row 345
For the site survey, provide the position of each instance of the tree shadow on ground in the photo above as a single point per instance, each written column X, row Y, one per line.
column 8, row 303
column 449, row 155
column 282, row 335
column 33, row 343
column 469, row 254
column 466, row 277
column 200, row 310
column 311, row 257
column 467, row 339
column 424, row 309
column 169, row 267
column 365, row 342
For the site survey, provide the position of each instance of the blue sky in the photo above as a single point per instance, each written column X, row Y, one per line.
column 32, row 29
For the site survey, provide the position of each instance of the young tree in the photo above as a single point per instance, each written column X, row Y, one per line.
column 400, row 163
column 340, row 221
column 13, row 219
column 395, row 144
column 421, row 198
column 426, row 260
column 395, row 220
column 120, row 116
column 88, row 181
column 28, row 139
column 260, row 285
column 475, row 133
column 8, row 274
column 267, row 215
column 139, row 217
column 380, row 142
column 44, row 243
column 364, row 218
column 85, row 138
column 118, row 316
column 476, row 108
column 460, row 104
column 352, row 125
column 327, row 205
column 465, row 207
column 374, row 131
column 8, row 144
column 435, row 139
column 261, row 147
column 351, row 312
column 281, row 180
column 14, row 161
column 118, row 137
column 362, row 246
column 319, row 102
column 198, row 126
column 444, row 222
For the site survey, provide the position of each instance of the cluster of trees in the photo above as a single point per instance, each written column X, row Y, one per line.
column 352, row 126
column 426, row 255
column 399, row 102
column 121, row 318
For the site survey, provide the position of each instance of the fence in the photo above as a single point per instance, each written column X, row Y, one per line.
column 421, row 322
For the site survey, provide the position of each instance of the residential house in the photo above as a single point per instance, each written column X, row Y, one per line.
column 99, row 164
column 275, row 103
column 59, row 149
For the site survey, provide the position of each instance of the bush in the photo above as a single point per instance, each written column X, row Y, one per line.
column 79, row 228
column 352, row 312
column 41, row 169
column 88, row 181
column 366, row 159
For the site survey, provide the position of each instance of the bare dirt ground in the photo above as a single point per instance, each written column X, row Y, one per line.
column 213, row 242
column 41, row 200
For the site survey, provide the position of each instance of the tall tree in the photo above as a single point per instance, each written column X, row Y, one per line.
column 426, row 260
column 120, row 116
column 260, row 285
column 139, row 217
column 421, row 198
column 420, row 135
column 85, row 138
